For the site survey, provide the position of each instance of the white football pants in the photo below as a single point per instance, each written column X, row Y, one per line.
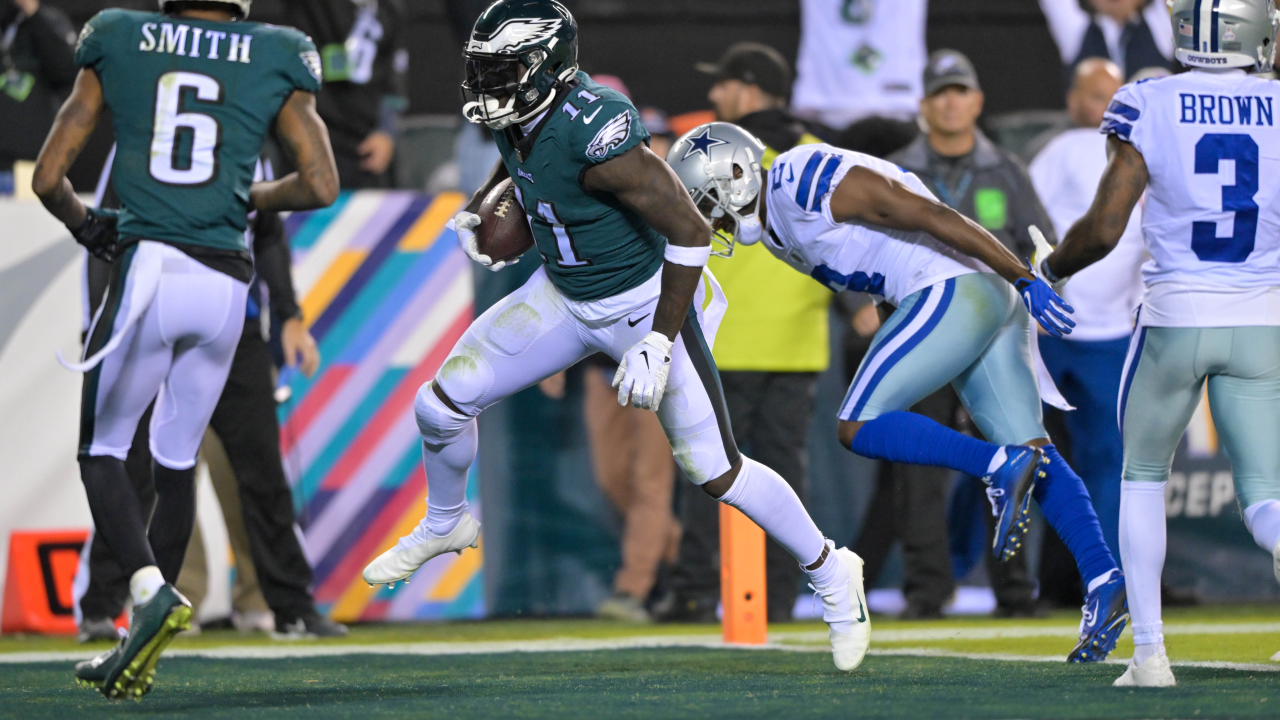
column 174, row 324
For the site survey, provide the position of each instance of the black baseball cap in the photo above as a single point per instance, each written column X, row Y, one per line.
column 753, row 64
column 947, row 68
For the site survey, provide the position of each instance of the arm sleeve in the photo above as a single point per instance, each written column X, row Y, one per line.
column 91, row 48
column 1067, row 23
column 1122, row 115
column 614, row 130
column 302, row 66
column 272, row 261
column 54, row 47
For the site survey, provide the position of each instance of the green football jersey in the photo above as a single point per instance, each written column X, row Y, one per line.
column 592, row 245
column 191, row 102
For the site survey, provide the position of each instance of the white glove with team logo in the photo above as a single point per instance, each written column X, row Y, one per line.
column 642, row 376
column 463, row 224
column 1043, row 251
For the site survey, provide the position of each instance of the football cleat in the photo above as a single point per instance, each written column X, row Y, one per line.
column 1155, row 672
column 92, row 673
column 131, row 673
column 1010, row 495
column 844, row 608
column 414, row 549
column 1106, row 610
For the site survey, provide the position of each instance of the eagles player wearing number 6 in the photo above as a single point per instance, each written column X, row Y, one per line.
column 193, row 91
column 623, row 253
column 1205, row 148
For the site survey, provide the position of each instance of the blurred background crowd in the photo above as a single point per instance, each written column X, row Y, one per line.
column 993, row 103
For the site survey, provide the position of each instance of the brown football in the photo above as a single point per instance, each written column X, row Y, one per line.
column 504, row 232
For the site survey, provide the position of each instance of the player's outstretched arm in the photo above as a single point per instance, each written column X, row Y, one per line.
column 71, row 130
column 645, row 183
column 315, row 183
column 868, row 196
column 1096, row 234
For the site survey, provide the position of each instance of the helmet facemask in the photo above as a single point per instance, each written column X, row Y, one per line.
column 503, row 90
column 728, row 196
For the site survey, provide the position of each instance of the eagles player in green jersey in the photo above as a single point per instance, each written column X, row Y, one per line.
column 623, row 251
column 193, row 92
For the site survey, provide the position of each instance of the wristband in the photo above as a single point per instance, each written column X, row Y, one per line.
column 687, row 256
column 1047, row 273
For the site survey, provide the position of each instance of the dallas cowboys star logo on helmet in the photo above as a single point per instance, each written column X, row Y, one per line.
column 702, row 143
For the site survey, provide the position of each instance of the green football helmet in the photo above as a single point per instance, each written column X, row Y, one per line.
column 1225, row 33
column 520, row 54
column 240, row 6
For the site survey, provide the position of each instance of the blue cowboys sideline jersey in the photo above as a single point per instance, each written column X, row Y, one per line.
column 1210, row 221
column 888, row 264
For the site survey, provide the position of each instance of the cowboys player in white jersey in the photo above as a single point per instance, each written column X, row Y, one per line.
column 854, row 222
column 1205, row 148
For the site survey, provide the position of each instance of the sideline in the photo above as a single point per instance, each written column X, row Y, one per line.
column 783, row 641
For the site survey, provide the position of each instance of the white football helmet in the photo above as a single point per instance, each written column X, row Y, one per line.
column 241, row 6
column 719, row 164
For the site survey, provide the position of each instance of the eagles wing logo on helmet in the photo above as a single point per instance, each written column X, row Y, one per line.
column 84, row 33
column 612, row 135
column 515, row 34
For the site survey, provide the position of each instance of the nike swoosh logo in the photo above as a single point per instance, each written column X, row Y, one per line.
column 588, row 118
column 645, row 354
column 633, row 323
column 1091, row 618
column 861, row 610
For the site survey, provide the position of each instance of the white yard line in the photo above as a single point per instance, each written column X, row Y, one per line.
column 1023, row 631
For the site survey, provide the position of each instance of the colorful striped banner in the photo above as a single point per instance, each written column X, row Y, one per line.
column 386, row 290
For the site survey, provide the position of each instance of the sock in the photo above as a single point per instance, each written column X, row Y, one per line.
column 1263, row 520
column 1143, row 652
column 1097, row 582
column 174, row 518
column 117, row 512
column 447, row 466
column 828, row 573
column 762, row 495
column 1142, row 549
column 910, row 438
column 145, row 583
column 1065, row 503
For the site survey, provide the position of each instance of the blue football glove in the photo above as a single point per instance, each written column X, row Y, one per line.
column 98, row 233
column 1046, row 306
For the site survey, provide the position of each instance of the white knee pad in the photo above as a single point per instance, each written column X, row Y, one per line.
column 438, row 424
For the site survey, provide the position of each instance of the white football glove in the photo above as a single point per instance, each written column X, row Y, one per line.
column 464, row 223
column 642, row 375
column 1043, row 251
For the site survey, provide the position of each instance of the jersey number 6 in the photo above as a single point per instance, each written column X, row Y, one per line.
column 184, row 144
column 1237, row 198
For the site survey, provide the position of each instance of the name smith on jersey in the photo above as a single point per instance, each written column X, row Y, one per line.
column 173, row 38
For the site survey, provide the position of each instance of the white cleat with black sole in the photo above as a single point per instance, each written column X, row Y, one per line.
column 1155, row 672
column 403, row 560
column 844, row 608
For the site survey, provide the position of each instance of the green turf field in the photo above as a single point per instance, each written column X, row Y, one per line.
column 561, row 669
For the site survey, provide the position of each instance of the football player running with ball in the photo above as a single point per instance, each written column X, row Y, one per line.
column 1211, row 311
column 623, row 251
column 854, row 222
column 192, row 92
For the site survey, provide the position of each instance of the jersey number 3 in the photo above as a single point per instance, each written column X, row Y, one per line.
column 1237, row 198
column 184, row 144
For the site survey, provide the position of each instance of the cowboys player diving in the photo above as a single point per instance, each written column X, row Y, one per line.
column 1211, row 311
column 192, row 91
column 623, row 251
column 854, row 222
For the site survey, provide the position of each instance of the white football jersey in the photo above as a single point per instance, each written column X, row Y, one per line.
column 888, row 264
column 1210, row 221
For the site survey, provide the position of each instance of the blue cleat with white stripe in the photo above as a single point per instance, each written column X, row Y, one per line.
column 1106, row 610
column 1010, row 495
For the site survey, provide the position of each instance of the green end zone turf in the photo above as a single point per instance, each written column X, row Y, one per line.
column 660, row 683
